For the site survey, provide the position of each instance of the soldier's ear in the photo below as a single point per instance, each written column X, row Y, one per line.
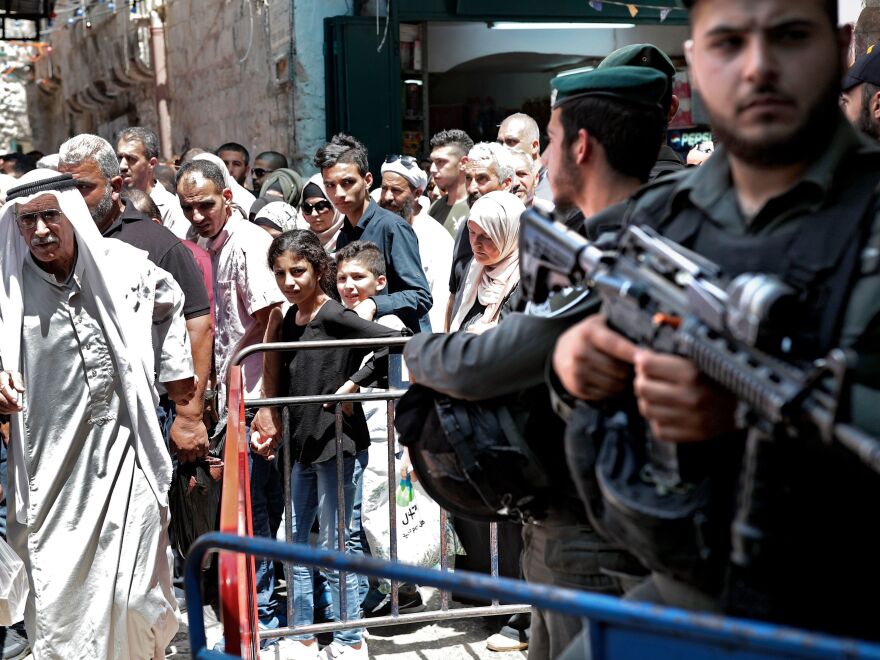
column 689, row 58
column 874, row 106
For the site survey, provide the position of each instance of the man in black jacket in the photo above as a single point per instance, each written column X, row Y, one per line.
column 602, row 131
column 344, row 166
column 92, row 163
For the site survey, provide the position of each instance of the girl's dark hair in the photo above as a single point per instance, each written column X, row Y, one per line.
column 305, row 244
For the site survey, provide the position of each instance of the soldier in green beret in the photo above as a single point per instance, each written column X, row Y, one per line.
column 604, row 130
column 650, row 56
column 791, row 192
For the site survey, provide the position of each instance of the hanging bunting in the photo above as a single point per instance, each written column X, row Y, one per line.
column 664, row 13
column 595, row 4
column 633, row 10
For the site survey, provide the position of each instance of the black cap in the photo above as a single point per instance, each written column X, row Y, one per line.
column 865, row 70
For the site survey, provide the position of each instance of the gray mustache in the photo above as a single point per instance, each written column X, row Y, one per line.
column 36, row 240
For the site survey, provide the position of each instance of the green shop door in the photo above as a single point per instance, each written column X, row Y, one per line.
column 363, row 85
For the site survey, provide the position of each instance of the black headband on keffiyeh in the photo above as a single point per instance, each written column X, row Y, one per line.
column 61, row 182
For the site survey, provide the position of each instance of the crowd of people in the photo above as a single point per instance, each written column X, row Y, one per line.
column 129, row 285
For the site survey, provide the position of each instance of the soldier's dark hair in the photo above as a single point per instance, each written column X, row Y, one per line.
column 234, row 146
column 343, row 149
column 143, row 135
column 304, row 244
column 205, row 168
column 829, row 5
column 453, row 138
column 629, row 133
column 365, row 253
column 275, row 159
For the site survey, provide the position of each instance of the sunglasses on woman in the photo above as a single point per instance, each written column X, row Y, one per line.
column 320, row 207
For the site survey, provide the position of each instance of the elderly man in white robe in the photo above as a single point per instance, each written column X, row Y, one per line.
column 89, row 472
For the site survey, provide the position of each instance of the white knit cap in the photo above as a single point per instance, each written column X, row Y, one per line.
column 415, row 175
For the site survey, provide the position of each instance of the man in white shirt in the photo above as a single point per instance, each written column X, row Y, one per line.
column 245, row 293
column 403, row 183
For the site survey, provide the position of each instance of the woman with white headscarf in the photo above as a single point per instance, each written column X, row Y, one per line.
column 320, row 214
column 493, row 228
column 240, row 197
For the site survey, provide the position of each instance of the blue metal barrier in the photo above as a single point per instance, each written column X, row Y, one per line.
column 618, row 629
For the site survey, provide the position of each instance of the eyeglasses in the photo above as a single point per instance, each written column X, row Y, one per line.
column 49, row 216
column 320, row 207
column 260, row 172
column 407, row 161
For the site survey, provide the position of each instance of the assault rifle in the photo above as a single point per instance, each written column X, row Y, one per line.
column 663, row 296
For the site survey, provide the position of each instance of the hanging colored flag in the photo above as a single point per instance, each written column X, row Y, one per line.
column 633, row 10
column 664, row 13
column 595, row 4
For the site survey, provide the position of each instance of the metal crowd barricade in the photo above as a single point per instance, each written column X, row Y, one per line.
column 235, row 437
column 618, row 630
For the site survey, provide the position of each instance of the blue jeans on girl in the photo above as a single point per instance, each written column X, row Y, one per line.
column 313, row 491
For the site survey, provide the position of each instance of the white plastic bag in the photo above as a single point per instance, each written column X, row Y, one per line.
column 418, row 517
column 13, row 586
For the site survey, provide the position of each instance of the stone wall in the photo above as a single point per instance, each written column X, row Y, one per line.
column 227, row 66
column 227, row 63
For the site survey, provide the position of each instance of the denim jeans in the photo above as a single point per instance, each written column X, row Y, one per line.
column 267, row 502
column 313, row 494
column 357, row 543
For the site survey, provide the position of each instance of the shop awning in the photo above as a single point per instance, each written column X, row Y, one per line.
column 24, row 10
column 641, row 12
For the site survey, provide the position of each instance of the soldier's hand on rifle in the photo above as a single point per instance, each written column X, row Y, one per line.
column 678, row 401
column 592, row 361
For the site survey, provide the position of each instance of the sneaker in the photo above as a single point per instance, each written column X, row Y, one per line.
column 504, row 643
column 290, row 649
column 15, row 643
column 408, row 601
column 337, row 650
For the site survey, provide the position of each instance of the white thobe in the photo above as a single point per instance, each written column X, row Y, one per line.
column 90, row 525
column 435, row 250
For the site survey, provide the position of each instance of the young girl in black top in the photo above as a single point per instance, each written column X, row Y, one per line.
column 305, row 274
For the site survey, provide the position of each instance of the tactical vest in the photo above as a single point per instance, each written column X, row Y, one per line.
column 823, row 532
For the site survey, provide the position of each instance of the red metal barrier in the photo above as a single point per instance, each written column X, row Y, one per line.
column 238, row 593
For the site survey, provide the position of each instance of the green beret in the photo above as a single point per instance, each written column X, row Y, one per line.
column 640, row 55
column 631, row 84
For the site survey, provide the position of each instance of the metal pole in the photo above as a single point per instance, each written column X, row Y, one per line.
column 392, row 501
column 160, row 83
column 444, row 551
column 493, row 553
column 286, row 450
column 340, row 510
